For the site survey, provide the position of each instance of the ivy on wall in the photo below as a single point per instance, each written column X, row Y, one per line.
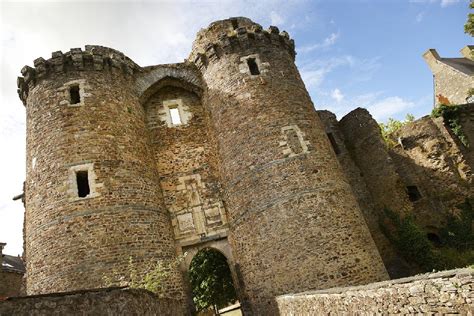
column 457, row 240
column 451, row 115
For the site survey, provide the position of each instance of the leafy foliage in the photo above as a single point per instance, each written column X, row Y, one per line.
column 153, row 280
column 458, row 232
column 211, row 280
column 450, row 114
column 392, row 126
column 457, row 237
column 410, row 240
column 469, row 26
column 470, row 92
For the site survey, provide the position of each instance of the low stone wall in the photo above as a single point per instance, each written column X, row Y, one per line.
column 444, row 292
column 10, row 283
column 111, row 301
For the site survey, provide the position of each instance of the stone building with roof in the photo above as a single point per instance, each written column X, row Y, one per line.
column 11, row 274
column 453, row 77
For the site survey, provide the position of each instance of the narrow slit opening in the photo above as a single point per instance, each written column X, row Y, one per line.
column 74, row 95
column 235, row 24
column 413, row 193
column 253, row 67
column 332, row 140
column 82, row 179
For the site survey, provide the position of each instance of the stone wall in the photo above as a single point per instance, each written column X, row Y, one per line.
column 186, row 164
column 73, row 241
column 111, row 301
column 396, row 266
column 447, row 292
column 11, row 283
column 370, row 153
column 291, row 209
column 450, row 84
column 432, row 164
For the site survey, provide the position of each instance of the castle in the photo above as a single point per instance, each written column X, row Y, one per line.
column 224, row 150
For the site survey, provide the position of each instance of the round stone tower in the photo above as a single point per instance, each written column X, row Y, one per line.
column 294, row 222
column 92, row 193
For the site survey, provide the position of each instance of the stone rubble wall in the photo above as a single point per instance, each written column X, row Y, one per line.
column 431, row 158
column 10, row 283
column 447, row 292
column 369, row 151
column 396, row 266
column 111, row 301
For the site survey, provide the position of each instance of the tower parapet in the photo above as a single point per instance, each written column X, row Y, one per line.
column 222, row 37
column 94, row 57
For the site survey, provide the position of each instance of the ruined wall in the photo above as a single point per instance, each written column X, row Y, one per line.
column 183, row 155
column 11, row 284
column 111, row 301
column 290, row 207
column 448, row 292
column 369, row 152
column 466, row 119
column 396, row 266
column 430, row 161
column 72, row 241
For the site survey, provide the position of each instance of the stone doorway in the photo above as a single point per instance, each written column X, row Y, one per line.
column 211, row 278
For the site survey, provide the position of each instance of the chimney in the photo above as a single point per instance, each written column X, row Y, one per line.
column 468, row 52
column 432, row 57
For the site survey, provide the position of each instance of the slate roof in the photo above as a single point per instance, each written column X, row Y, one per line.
column 463, row 65
column 12, row 264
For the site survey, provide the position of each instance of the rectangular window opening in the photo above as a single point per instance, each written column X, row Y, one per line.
column 175, row 116
column 253, row 67
column 413, row 193
column 332, row 140
column 82, row 179
column 74, row 95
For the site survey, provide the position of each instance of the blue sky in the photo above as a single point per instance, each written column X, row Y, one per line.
column 376, row 47
column 352, row 53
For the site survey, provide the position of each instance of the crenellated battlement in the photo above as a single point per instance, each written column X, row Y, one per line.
column 226, row 37
column 94, row 57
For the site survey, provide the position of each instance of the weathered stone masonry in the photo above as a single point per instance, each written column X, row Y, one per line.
column 224, row 150
column 442, row 293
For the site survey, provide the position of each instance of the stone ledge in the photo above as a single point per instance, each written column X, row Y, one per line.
column 445, row 292
column 107, row 301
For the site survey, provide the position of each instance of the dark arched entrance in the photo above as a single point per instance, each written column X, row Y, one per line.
column 211, row 280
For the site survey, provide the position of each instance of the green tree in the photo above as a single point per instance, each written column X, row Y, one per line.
column 211, row 280
column 469, row 26
column 392, row 126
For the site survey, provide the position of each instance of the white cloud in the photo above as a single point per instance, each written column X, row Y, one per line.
column 315, row 72
column 389, row 107
column 377, row 103
column 419, row 17
column 276, row 19
column 445, row 3
column 326, row 43
column 337, row 95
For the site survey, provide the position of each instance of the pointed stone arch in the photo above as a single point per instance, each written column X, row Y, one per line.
column 153, row 78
